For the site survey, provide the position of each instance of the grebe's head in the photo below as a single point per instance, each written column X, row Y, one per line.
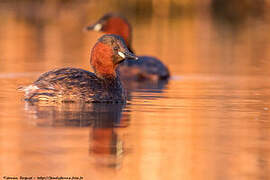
column 113, row 24
column 108, row 52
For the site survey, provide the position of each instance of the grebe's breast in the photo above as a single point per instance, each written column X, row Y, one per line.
column 74, row 85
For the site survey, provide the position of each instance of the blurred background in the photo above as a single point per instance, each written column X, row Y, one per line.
column 207, row 36
column 211, row 121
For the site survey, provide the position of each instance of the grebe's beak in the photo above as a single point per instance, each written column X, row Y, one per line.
column 127, row 55
column 95, row 27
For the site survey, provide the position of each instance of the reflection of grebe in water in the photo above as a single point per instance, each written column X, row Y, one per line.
column 106, row 146
column 105, row 142
column 77, row 85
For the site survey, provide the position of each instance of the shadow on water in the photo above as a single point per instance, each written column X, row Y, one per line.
column 105, row 145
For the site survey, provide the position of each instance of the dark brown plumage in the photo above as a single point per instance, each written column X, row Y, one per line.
column 73, row 84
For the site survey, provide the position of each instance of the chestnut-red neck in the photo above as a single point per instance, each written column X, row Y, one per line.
column 118, row 26
column 101, row 61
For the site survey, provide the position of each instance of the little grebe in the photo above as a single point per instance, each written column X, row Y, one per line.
column 148, row 68
column 73, row 84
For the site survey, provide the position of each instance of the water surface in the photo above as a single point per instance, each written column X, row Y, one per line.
column 210, row 121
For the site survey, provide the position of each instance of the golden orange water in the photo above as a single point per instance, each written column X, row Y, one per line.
column 211, row 121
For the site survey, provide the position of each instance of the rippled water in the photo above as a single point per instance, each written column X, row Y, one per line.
column 211, row 121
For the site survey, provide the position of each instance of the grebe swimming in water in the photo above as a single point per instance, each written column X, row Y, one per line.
column 73, row 84
column 148, row 68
